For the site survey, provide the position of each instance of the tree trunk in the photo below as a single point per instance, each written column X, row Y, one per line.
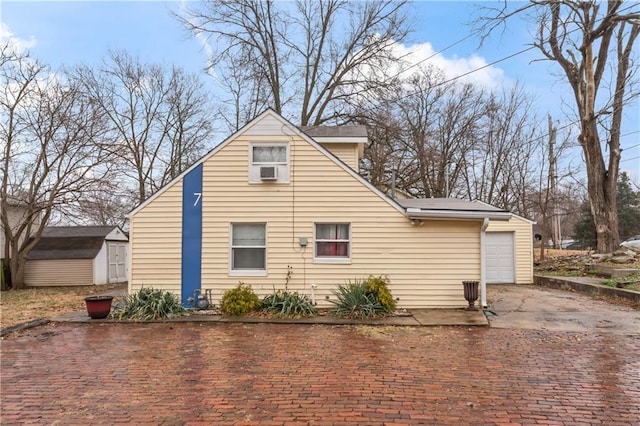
column 16, row 265
column 602, row 192
column 6, row 277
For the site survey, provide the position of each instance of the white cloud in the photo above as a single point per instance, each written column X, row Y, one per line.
column 203, row 40
column 19, row 44
column 424, row 55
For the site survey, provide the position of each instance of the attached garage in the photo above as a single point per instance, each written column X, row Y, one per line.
column 78, row 255
column 509, row 251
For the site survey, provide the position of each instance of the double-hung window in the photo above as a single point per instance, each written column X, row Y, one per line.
column 269, row 162
column 333, row 242
column 248, row 248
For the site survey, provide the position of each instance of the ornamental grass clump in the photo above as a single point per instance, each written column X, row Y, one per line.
column 148, row 304
column 288, row 304
column 239, row 300
column 354, row 301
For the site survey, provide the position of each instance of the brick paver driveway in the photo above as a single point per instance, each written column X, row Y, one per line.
column 185, row 373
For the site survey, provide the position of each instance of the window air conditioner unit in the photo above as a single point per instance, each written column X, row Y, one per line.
column 268, row 173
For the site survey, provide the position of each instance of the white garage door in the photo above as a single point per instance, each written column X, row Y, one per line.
column 499, row 257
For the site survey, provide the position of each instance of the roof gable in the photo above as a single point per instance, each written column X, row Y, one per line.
column 270, row 123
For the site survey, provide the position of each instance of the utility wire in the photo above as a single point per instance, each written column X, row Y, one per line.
column 484, row 66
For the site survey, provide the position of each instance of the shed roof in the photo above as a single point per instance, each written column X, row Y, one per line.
column 77, row 231
column 70, row 242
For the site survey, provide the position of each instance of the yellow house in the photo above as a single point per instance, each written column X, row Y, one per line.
column 277, row 204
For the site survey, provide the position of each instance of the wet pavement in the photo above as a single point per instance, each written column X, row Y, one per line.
column 531, row 372
column 538, row 308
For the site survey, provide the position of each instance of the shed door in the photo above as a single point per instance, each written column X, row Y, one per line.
column 117, row 259
column 499, row 257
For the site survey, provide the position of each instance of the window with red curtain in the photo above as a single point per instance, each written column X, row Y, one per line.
column 332, row 240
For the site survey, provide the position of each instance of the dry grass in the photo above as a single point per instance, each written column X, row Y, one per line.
column 18, row 306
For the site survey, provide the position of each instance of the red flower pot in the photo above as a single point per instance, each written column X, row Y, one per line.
column 98, row 307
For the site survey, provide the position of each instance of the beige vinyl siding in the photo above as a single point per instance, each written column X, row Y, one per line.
column 156, row 243
column 523, row 242
column 58, row 272
column 347, row 152
column 425, row 264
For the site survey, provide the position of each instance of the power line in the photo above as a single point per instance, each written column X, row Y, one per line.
column 432, row 56
column 487, row 65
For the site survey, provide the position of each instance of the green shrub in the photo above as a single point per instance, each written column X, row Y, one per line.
column 239, row 300
column 354, row 301
column 148, row 304
column 288, row 304
column 379, row 288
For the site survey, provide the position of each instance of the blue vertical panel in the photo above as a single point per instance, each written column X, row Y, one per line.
column 191, row 233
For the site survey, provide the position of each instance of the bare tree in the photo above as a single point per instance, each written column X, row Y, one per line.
column 159, row 121
column 500, row 165
column 592, row 42
column 312, row 55
column 453, row 139
column 187, row 123
column 52, row 154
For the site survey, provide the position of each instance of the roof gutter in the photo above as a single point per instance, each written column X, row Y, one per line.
column 415, row 213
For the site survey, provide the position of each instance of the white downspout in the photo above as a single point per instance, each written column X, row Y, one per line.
column 483, row 281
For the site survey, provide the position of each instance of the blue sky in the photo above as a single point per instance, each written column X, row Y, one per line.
column 69, row 33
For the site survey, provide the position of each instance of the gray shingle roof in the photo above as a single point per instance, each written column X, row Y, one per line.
column 335, row 131
column 446, row 204
column 70, row 242
column 77, row 231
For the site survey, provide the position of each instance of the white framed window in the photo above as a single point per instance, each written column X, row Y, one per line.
column 248, row 249
column 269, row 162
column 332, row 243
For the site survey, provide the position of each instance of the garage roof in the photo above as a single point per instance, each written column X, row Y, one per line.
column 451, row 208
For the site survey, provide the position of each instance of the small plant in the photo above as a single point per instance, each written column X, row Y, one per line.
column 239, row 300
column 148, row 304
column 288, row 304
column 354, row 301
column 288, row 277
column 379, row 288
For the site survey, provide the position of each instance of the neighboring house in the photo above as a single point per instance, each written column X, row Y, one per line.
column 16, row 212
column 78, row 255
column 275, row 203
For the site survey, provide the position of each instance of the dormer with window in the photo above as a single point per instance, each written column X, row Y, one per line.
column 269, row 162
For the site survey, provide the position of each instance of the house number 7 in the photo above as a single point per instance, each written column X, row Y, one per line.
column 198, row 196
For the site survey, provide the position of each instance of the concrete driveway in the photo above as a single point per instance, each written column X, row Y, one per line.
column 538, row 308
